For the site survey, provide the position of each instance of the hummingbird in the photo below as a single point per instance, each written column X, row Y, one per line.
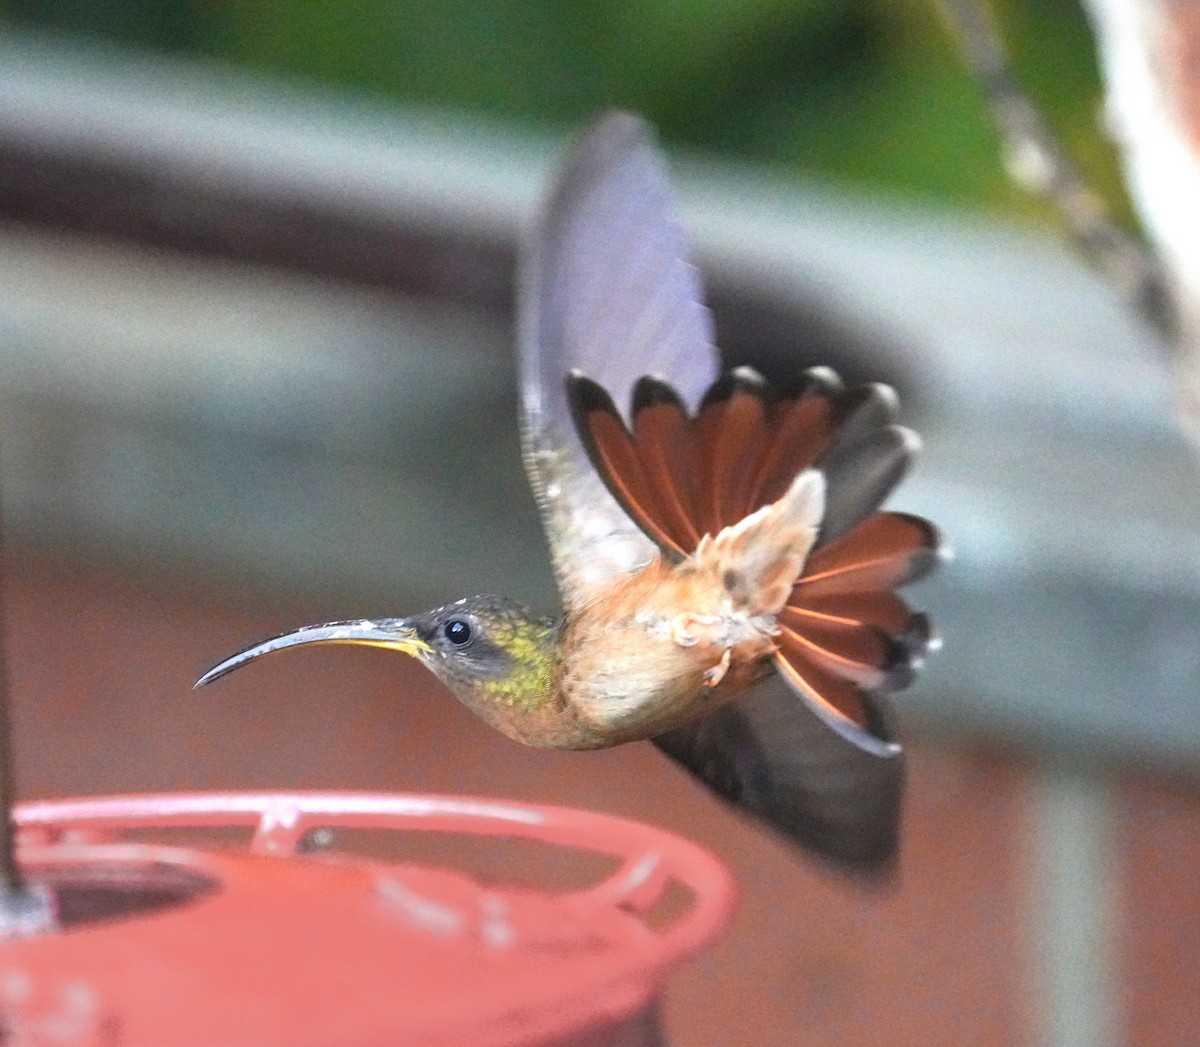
column 726, row 572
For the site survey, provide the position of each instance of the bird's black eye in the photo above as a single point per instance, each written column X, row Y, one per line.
column 457, row 631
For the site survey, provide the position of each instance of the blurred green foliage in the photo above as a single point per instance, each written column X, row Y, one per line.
column 867, row 92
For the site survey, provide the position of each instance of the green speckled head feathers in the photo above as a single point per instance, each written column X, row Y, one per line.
column 505, row 664
column 492, row 650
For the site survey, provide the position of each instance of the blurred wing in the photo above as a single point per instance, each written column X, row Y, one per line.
column 606, row 291
column 802, row 774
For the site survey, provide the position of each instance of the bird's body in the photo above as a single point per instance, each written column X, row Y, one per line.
column 650, row 650
column 714, row 535
column 659, row 650
column 672, row 641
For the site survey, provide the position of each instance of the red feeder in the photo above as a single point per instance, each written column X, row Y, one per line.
column 163, row 945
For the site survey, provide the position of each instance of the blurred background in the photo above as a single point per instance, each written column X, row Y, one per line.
column 256, row 370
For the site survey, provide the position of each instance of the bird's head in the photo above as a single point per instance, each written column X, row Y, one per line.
column 492, row 652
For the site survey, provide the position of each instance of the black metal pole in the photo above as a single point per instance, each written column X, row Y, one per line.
column 10, row 873
column 25, row 909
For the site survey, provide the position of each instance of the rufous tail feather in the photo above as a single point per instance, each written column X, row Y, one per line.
column 716, row 477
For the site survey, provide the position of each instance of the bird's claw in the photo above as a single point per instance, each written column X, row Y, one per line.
column 715, row 674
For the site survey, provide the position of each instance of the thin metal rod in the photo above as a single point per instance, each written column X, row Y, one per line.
column 25, row 909
column 1035, row 160
column 10, row 873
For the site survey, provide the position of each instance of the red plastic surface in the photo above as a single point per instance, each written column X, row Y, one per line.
column 277, row 948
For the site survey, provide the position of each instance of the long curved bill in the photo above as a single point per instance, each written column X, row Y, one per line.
column 396, row 634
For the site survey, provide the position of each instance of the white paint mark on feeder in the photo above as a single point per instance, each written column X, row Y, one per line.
column 494, row 928
column 423, row 913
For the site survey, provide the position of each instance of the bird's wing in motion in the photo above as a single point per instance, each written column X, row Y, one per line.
column 606, row 290
column 610, row 298
column 796, row 771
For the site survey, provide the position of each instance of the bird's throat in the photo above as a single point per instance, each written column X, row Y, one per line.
column 526, row 701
